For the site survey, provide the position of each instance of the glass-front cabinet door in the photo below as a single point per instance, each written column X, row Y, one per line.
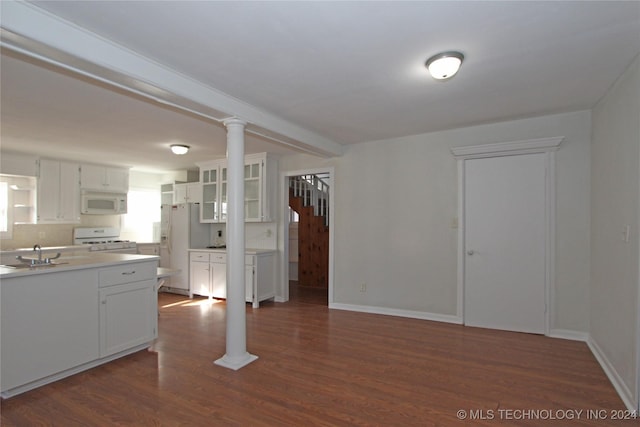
column 209, row 206
column 252, row 186
column 260, row 175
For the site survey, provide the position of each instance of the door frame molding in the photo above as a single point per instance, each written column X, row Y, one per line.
column 283, row 292
column 547, row 146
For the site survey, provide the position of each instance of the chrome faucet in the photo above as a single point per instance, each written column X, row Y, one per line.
column 37, row 262
column 37, row 247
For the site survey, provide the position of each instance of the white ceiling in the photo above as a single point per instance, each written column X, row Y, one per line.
column 348, row 71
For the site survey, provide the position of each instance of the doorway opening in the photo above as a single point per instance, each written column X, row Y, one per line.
column 308, row 201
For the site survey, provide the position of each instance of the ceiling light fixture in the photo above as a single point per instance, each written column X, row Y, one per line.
column 179, row 149
column 444, row 65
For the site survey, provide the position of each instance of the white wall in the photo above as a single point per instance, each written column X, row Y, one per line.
column 395, row 201
column 615, row 185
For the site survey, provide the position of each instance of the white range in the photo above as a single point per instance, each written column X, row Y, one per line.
column 103, row 239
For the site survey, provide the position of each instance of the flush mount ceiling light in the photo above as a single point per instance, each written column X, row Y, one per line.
column 179, row 149
column 444, row 65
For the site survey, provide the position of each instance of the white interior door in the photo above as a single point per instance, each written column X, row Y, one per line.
column 505, row 229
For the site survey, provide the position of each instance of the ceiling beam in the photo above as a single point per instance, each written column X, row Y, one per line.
column 37, row 33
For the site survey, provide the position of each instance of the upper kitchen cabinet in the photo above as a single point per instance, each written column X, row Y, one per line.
column 190, row 192
column 260, row 186
column 210, row 180
column 58, row 192
column 104, row 178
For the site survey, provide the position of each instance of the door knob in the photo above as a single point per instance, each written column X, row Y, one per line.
column 470, row 252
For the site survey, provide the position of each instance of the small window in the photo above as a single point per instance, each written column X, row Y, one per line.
column 141, row 223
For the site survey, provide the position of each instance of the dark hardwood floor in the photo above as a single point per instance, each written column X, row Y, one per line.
column 307, row 294
column 321, row 367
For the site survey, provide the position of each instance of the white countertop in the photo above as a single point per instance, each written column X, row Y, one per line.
column 248, row 251
column 22, row 251
column 76, row 262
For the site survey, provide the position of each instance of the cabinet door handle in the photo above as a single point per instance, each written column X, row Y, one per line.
column 104, row 302
column 128, row 273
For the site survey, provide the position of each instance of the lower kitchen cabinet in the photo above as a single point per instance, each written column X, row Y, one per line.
column 260, row 281
column 128, row 307
column 208, row 275
column 125, row 316
column 61, row 320
column 49, row 324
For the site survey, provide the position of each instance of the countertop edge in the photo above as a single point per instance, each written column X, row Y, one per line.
column 248, row 251
column 91, row 260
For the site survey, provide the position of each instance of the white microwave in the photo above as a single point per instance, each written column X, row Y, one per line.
column 97, row 203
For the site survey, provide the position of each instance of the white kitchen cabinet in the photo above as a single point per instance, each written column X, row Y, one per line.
column 85, row 311
column 260, row 280
column 218, row 275
column 48, row 325
column 104, row 178
column 199, row 274
column 208, row 274
column 260, row 186
column 210, row 173
column 167, row 193
column 128, row 306
column 58, row 192
column 190, row 192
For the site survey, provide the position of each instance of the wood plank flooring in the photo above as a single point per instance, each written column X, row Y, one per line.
column 321, row 367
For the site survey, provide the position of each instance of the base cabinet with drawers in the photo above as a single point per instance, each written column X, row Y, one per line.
column 208, row 275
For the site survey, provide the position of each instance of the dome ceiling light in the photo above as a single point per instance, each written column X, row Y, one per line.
column 444, row 65
column 179, row 149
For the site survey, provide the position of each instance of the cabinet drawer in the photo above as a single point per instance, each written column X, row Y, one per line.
column 219, row 258
column 127, row 273
column 199, row 256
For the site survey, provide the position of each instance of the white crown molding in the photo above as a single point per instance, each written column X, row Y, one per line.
column 37, row 33
column 529, row 146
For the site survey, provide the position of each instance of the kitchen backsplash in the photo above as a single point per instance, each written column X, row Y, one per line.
column 257, row 235
column 27, row 235
column 261, row 235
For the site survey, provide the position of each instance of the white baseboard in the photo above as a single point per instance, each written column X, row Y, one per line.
column 618, row 383
column 398, row 312
column 567, row 334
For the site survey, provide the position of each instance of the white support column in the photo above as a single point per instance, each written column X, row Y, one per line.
column 236, row 355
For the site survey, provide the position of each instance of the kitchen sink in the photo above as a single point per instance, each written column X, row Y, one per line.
column 23, row 266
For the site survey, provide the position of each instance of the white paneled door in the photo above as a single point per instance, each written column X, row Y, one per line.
column 504, row 242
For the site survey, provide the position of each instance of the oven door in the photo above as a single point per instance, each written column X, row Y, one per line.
column 121, row 251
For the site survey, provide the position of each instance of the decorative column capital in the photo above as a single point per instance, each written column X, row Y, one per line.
column 234, row 121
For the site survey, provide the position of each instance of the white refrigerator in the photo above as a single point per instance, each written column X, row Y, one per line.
column 181, row 230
